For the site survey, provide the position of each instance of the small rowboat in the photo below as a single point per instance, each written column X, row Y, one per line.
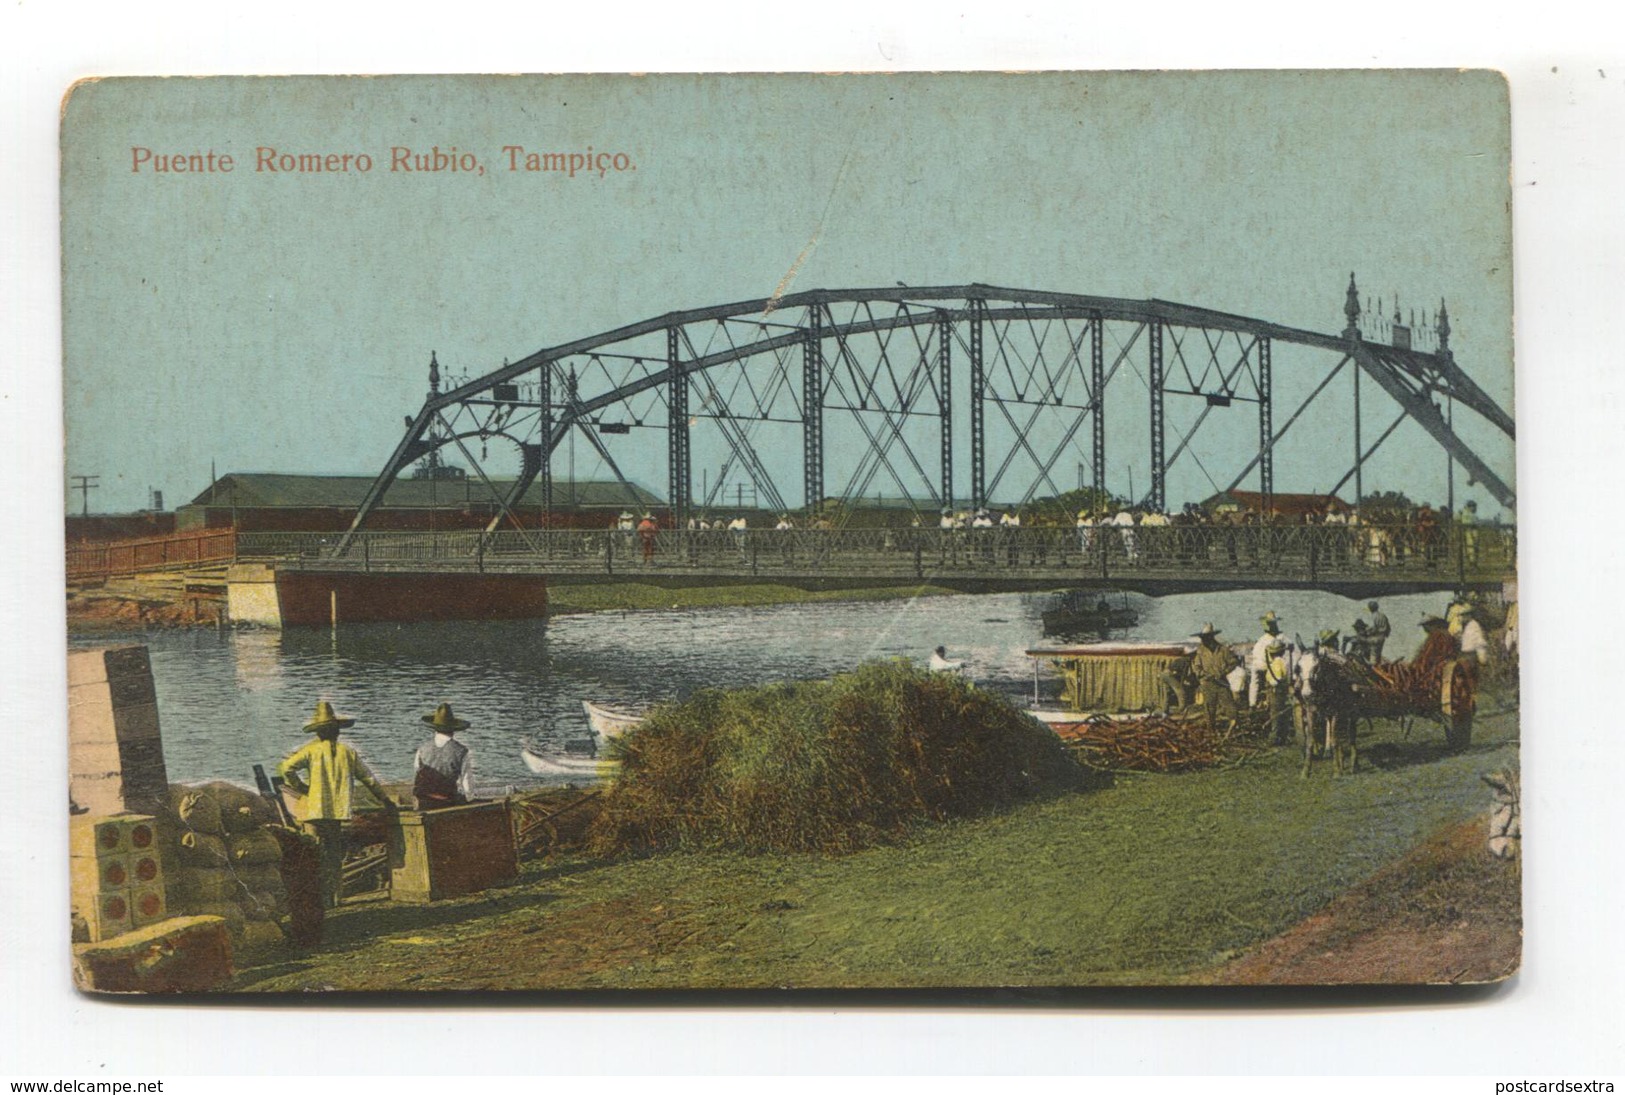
column 610, row 722
column 1064, row 723
column 568, row 764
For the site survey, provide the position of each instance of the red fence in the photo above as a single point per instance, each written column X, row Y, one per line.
column 123, row 557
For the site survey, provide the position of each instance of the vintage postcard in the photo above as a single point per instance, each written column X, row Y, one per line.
column 814, row 531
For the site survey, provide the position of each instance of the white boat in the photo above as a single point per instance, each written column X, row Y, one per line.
column 568, row 764
column 610, row 722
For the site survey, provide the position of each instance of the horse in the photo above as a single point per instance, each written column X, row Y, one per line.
column 1325, row 692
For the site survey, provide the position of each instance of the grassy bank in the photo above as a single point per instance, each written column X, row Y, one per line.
column 565, row 598
column 1151, row 881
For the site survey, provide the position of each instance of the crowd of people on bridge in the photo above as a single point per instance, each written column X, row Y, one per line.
column 1327, row 535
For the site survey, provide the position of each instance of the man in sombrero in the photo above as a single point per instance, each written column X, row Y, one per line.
column 330, row 769
column 1211, row 665
column 444, row 775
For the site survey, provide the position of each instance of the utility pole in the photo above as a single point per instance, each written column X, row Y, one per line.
column 84, row 486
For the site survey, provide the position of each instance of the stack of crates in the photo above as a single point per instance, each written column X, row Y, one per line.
column 117, row 873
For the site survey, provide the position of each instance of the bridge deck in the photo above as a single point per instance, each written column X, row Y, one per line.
column 1169, row 559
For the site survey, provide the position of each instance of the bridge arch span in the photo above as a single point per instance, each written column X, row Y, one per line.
column 944, row 396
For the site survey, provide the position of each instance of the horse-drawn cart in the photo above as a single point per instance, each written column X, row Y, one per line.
column 1441, row 690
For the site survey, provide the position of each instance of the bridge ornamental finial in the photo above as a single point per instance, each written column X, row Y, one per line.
column 1444, row 329
column 434, row 375
column 1351, row 309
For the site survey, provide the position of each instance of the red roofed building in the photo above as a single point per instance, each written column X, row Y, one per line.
column 1293, row 506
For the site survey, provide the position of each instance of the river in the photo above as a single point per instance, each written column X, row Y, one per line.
column 231, row 699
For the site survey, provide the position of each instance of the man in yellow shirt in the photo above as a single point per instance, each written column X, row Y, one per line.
column 330, row 770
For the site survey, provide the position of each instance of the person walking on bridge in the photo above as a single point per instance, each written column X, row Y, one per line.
column 647, row 530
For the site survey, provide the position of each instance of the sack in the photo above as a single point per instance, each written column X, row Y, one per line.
column 254, row 847
column 205, row 885
column 200, row 813
column 202, row 850
column 261, row 876
column 239, row 819
column 229, row 911
column 264, row 905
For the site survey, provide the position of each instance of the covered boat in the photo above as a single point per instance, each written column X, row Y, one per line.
column 1108, row 677
column 1084, row 612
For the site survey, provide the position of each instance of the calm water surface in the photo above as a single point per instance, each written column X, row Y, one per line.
column 229, row 700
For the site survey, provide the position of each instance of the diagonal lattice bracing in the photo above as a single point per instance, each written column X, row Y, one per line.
column 871, row 380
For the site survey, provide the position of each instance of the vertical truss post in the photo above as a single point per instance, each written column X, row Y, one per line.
column 677, row 433
column 1266, row 429
column 1359, row 477
column 945, row 404
column 544, row 471
column 812, row 410
column 1157, row 499
column 978, row 385
column 1450, row 458
column 1097, row 397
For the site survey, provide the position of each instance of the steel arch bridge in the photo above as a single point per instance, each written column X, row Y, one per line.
column 915, row 381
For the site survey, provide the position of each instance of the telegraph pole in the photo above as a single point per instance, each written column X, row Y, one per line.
column 85, row 484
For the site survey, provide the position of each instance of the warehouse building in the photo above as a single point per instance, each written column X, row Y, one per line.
column 266, row 502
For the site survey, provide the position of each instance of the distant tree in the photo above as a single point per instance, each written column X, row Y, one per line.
column 1063, row 508
column 1386, row 503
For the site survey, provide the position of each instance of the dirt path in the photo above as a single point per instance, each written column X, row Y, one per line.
column 1447, row 913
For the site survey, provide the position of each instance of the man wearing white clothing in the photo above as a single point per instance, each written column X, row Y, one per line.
column 1125, row 521
column 1473, row 642
column 1258, row 659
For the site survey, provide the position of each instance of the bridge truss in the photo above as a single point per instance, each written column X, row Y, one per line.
column 887, row 390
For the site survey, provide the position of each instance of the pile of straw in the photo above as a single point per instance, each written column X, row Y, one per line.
column 825, row 766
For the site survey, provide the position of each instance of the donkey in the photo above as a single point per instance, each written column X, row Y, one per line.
column 1325, row 689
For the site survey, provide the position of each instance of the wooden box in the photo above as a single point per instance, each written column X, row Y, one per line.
column 459, row 850
column 182, row 954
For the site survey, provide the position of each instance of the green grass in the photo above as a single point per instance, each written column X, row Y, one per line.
column 639, row 595
column 1143, row 883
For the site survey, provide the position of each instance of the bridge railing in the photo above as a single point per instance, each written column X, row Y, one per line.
column 1280, row 552
column 120, row 558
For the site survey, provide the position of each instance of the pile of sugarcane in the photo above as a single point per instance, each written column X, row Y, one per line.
column 1163, row 743
column 1399, row 686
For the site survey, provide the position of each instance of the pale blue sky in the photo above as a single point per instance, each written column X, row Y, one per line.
column 274, row 323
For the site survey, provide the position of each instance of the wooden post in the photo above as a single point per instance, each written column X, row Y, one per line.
column 333, row 607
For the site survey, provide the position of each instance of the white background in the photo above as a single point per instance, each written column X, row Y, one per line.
column 1562, row 1015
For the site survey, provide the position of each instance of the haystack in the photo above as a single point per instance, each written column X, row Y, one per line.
column 825, row 766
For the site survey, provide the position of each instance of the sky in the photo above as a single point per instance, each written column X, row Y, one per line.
column 263, row 320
